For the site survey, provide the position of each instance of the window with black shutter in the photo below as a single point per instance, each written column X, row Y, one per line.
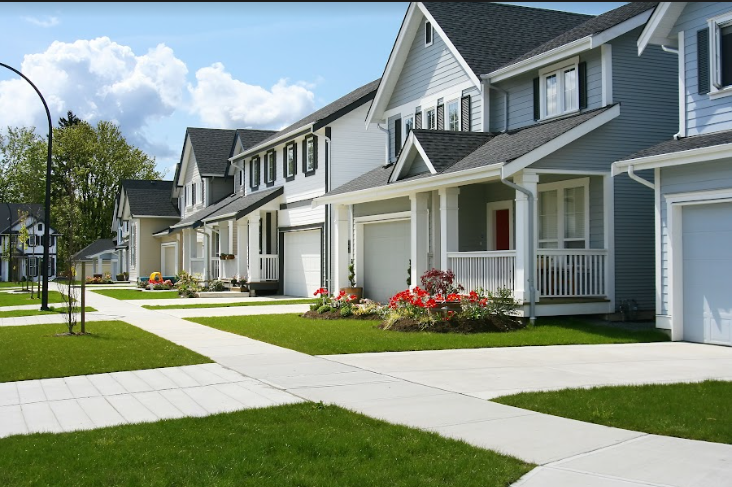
column 397, row 136
column 440, row 117
column 465, row 114
column 418, row 118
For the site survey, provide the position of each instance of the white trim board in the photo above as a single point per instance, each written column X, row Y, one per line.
column 705, row 154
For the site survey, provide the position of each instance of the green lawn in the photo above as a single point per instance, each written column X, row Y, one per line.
column 323, row 337
column 10, row 284
column 203, row 304
column 35, row 312
column 127, row 294
column 697, row 411
column 34, row 352
column 20, row 299
column 296, row 445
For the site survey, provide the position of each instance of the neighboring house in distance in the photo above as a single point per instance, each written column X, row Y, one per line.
column 265, row 230
column 503, row 123
column 101, row 258
column 22, row 259
column 693, row 173
column 143, row 208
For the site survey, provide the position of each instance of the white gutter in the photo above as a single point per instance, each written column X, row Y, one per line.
column 277, row 141
column 635, row 177
column 554, row 55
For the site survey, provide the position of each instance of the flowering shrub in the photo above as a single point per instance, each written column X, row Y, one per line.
column 187, row 284
column 342, row 302
column 435, row 281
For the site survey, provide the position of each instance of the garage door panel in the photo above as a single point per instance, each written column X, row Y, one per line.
column 302, row 263
column 707, row 273
column 386, row 259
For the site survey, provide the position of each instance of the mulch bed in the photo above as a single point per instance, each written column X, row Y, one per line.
column 457, row 325
column 336, row 315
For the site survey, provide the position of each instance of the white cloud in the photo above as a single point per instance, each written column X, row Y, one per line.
column 96, row 79
column 224, row 102
column 52, row 21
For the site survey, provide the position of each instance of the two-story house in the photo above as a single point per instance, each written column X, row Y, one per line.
column 692, row 173
column 503, row 124
column 143, row 208
column 265, row 229
column 21, row 258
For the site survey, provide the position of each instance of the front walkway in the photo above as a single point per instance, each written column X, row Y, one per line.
column 446, row 392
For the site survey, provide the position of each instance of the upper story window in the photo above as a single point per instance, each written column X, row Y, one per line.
column 241, row 179
column 190, row 194
column 720, row 50
column 408, row 126
column 310, row 155
column 198, row 188
column 254, row 173
column 428, row 34
column 453, row 115
column 564, row 214
column 270, row 172
column 290, row 161
column 559, row 88
column 430, row 120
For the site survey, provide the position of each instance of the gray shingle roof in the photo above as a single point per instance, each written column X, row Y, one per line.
column 9, row 213
column 591, row 27
column 687, row 143
column 212, row 148
column 511, row 145
column 251, row 137
column 241, row 205
column 458, row 155
column 362, row 94
column 445, row 148
column 101, row 245
column 491, row 35
column 150, row 197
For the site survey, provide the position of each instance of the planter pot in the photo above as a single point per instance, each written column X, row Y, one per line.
column 358, row 291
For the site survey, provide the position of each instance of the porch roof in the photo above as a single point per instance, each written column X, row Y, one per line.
column 243, row 205
column 94, row 249
column 194, row 220
column 453, row 153
column 672, row 146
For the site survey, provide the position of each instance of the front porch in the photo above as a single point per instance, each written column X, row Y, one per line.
column 482, row 232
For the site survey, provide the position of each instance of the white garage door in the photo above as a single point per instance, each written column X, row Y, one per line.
column 386, row 259
column 169, row 267
column 707, row 255
column 302, row 263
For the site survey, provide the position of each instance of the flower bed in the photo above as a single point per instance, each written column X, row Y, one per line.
column 438, row 306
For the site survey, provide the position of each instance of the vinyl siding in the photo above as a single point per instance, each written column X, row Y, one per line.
column 302, row 215
column 426, row 71
column 476, row 108
column 394, row 205
column 683, row 179
column 354, row 150
column 703, row 115
column 472, row 213
column 219, row 188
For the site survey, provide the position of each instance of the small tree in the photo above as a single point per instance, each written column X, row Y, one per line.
column 23, row 241
column 351, row 274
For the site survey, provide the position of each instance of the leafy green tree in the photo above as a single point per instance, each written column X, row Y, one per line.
column 23, row 157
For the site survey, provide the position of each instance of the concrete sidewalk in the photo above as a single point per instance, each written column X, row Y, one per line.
column 446, row 393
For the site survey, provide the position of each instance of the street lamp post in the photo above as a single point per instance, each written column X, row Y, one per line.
column 47, row 208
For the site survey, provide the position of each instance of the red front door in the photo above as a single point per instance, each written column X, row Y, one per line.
column 502, row 230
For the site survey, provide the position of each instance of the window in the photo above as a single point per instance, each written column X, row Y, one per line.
column 241, row 179
column 188, row 193
column 310, row 155
column 428, row 34
column 193, row 194
column 564, row 215
column 720, row 46
column 559, row 93
column 133, row 246
column 453, row 115
column 408, row 126
column 430, row 120
column 199, row 192
column 32, row 263
column 31, row 242
column 40, row 227
column 291, row 157
column 254, row 173
column 270, row 172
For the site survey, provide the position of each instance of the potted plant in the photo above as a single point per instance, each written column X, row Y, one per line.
column 357, row 291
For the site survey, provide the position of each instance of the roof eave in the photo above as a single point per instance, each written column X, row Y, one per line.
column 657, row 28
column 284, row 138
column 691, row 156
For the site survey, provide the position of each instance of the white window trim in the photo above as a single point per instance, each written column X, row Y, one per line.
column 425, row 118
column 560, row 186
column 271, row 166
column 428, row 25
column 290, row 150
column 557, row 69
column 456, row 101
column 241, row 179
column 309, row 162
column 716, row 90
column 188, row 193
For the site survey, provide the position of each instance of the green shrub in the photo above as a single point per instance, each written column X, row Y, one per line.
column 324, row 309
column 346, row 311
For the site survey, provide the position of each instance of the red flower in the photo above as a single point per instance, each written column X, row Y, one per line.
column 352, row 297
column 322, row 290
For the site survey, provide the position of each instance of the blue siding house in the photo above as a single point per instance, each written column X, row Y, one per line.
column 503, row 122
column 692, row 173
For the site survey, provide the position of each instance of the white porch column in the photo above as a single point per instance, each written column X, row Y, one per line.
column 254, row 274
column 241, row 248
column 435, row 230
column 419, row 235
column 206, row 254
column 341, row 231
column 99, row 263
column 448, row 224
column 528, row 181
column 187, row 248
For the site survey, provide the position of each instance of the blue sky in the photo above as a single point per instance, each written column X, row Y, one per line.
column 157, row 68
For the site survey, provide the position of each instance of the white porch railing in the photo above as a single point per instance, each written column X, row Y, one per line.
column 197, row 266
column 270, row 267
column 487, row 270
column 571, row 273
column 215, row 268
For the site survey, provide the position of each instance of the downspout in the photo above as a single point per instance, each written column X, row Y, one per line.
column 677, row 135
column 328, row 154
column 388, row 144
column 532, row 251
column 486, row 81
column 635, row 177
